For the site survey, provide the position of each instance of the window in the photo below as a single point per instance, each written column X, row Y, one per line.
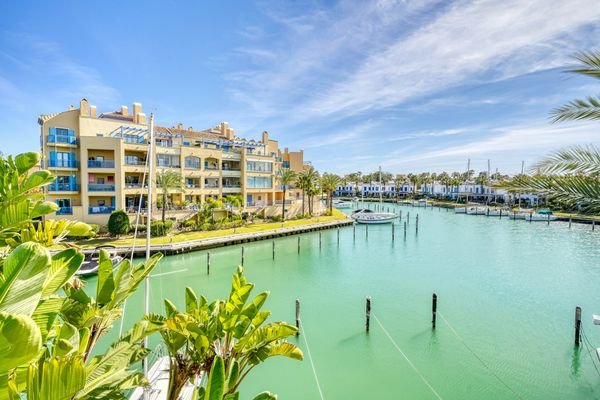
column 192, row 162
column 259, row 182
column 259, row 166
column 164, row 142
column 167, row 160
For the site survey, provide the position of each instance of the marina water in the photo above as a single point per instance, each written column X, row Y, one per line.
column 507, row 291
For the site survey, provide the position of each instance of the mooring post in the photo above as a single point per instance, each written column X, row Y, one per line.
column 366, row 231
column 530, row 217
column 408, row 217
column 500, row 214
column 593, row 225
column 319, row 240
column 298, row 244
column 368, row 314
column 400, row 215
column 433, row 310
column 273, row 249
column 577, row 325
column 242, row 256
column 338, row 236
column 404, row 230
column 208, row 263
column 393, row 231
column 570, row 219
column 548, row 219
column 353, row 232
column 297, row 317
column 417, row 224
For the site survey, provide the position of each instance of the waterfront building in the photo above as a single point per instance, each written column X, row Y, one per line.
column 99, row 160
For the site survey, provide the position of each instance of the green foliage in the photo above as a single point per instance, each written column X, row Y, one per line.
column 95, row 228
column 197, row 339
column 160, row 228
column 118, row 223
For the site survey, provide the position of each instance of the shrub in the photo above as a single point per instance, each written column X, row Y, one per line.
column 157, row 228
column 95, row 228
column 118, row 223
column 275, row 218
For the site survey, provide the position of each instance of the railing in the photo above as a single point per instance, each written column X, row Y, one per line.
column 135, row 186
column 101, row 163
column 63, row 187
column 135, row 162
column 101, row 187
column 193, row 186
column 288, row 202
column 192, row 165
column 62, row 139
column 211, row 167
column 166, row 165
column 211, row 185
column 62, row 163
column 232, row 185
column 64, row 211
column 101, row 210
column 226, row 168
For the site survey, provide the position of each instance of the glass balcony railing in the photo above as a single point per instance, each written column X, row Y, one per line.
column 229, row 168
column 211, row 185
column 101, row 210
column 232, row 185
column 101, row 187
column 62, row 163
column 135, row 186
column 192, row 185
column 134, row 161
column 101, row 163
column 62, row 139
column 211, row 167
column 63, row 187
column 64, row 211
column 191, row 165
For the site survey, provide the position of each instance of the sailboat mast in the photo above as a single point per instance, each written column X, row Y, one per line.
column 148, row 223
column 380, row 186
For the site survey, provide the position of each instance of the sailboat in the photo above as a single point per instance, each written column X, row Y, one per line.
column 366, row 216
column 157, row 375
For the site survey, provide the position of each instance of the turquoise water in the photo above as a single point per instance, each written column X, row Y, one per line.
column 506, row 290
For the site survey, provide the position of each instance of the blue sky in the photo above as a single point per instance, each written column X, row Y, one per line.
column 412, row 86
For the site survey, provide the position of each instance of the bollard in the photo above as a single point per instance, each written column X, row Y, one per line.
column 208, row 263
column 577, row 326
column 404, row 230
column 368, row 314
column 354, row 232
column 500, row 214
column 400, row 215
column 393, row 231
column 408, row 217
column 297, row 317
column 273, row 249
column 530, row 217
column 367, row 231
column 417, row 224
column 433, row 310
column 298, row 244
column 548, row 219
column 570, row 218
column 338, row 237
column 319, row 240
column 242, row 256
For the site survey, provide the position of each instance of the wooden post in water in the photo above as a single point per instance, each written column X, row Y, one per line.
column 393, row 231
column 577, row 326
column 417, row 224
column 408, row 217
column 298, row 244
column 366, row 231
column 273, row 249
column 548, row 219
column 570, row 218
column 530, row 217
column 368, row 314
column 208, row 263
column 353, row 232
column 500, row 213
column 319, row 240
column 400, row 215
column 593, row 225
column 338, row 237
column 433, row 310
column 404, row 230
column 242, row 256
column 297, row 317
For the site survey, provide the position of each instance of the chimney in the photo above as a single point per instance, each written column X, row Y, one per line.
column 93, row 111
column 265, row 137
column 141, row 119
column 71, row 108
column 124, row 111
column 180, row 126
column 84, row 109
column 137, row 108
column 191, row 129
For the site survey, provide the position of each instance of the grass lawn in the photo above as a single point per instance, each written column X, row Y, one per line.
column 195, row 235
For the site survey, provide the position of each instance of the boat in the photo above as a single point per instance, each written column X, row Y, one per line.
column 91, row 263
column 460, row 210
column 497, row 212
column 477, row 210
column 422, row 203
column 366, row 216
column 519, row 214
column 339, row 204
column 541, row 215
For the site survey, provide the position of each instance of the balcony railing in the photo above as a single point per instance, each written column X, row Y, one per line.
column 101, row 210
column 62, row 139
column 189, row 165
column 232, row 185
column 211, row 185
column 167, row 165
column 101, row 163
column 64, row 211
column 135, row 162
column 62, row 163
column 227, row 168
column 63, row 187
column 101, row 187
column 211, row 167
column 193, row 186
column 135, row 186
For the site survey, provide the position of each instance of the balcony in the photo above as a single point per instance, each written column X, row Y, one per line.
column 62, row 139
column 101, row 187
column 62, row 163
column 134, row 161
column 101, row 210
column 190, row 165
column 135, row 186
column 101, row 163
column 211, row 167
column 63, row 187
column 211, row 185
column 192, row 186
column 167, row 165
column 64, row 211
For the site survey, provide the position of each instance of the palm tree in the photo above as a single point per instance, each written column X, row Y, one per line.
column 569, row 176
column 168, row 180
column 578, row 109
column 444, row 179
column 306, row 181
column 329, row 182
column 286, row 177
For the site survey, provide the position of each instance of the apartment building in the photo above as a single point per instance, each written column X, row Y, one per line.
column 100, row 162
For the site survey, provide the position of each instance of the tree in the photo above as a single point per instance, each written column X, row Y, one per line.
column 306, row 180
column 224, row 339
column 330, row 182
column 118, row 223
column 286, row 178
column 167, row 181
column 444, row 179
column 578, row 109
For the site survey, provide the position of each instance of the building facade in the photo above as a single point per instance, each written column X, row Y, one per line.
column 100, row 163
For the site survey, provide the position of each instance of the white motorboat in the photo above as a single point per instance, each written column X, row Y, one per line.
column 477, row 210
column 339, row 204
column 497, row 212
column 91, row 263
column 422, row 203
column 518, row 214
column 460, row 210
column 158, row 379
column 541, row 215
column 366, row 216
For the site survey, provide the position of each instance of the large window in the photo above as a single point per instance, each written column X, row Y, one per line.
column 62, row 159
column 259, row 166
column 192, row 162
column 259, row 182
column 167, row 160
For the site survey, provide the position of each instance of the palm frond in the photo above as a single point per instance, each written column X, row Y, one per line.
column 589, row 64
column 575, row 110
column 574, row 160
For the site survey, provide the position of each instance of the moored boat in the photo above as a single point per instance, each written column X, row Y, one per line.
column 477, row 210
column 91, row 263
column 541, row 215
column 339, row 204
column 366, row 216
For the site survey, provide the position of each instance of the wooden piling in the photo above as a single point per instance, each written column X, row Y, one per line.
column 577, row 326
column 208, row 263
column 319, row 240
column 404, row 230
column 393, row 231
column 433, row 310
column 593, row 225
column 570, row 220
column 408, row 217
column 366, row 231
column 417, row 224
column 354, row 232
column 338, row 236
column 368, row 314
column 297, row 317
column 273, row 249
column 242, row 256
column 530, row 217
column 400, row 216
column 548, row 219
column 298, row 244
